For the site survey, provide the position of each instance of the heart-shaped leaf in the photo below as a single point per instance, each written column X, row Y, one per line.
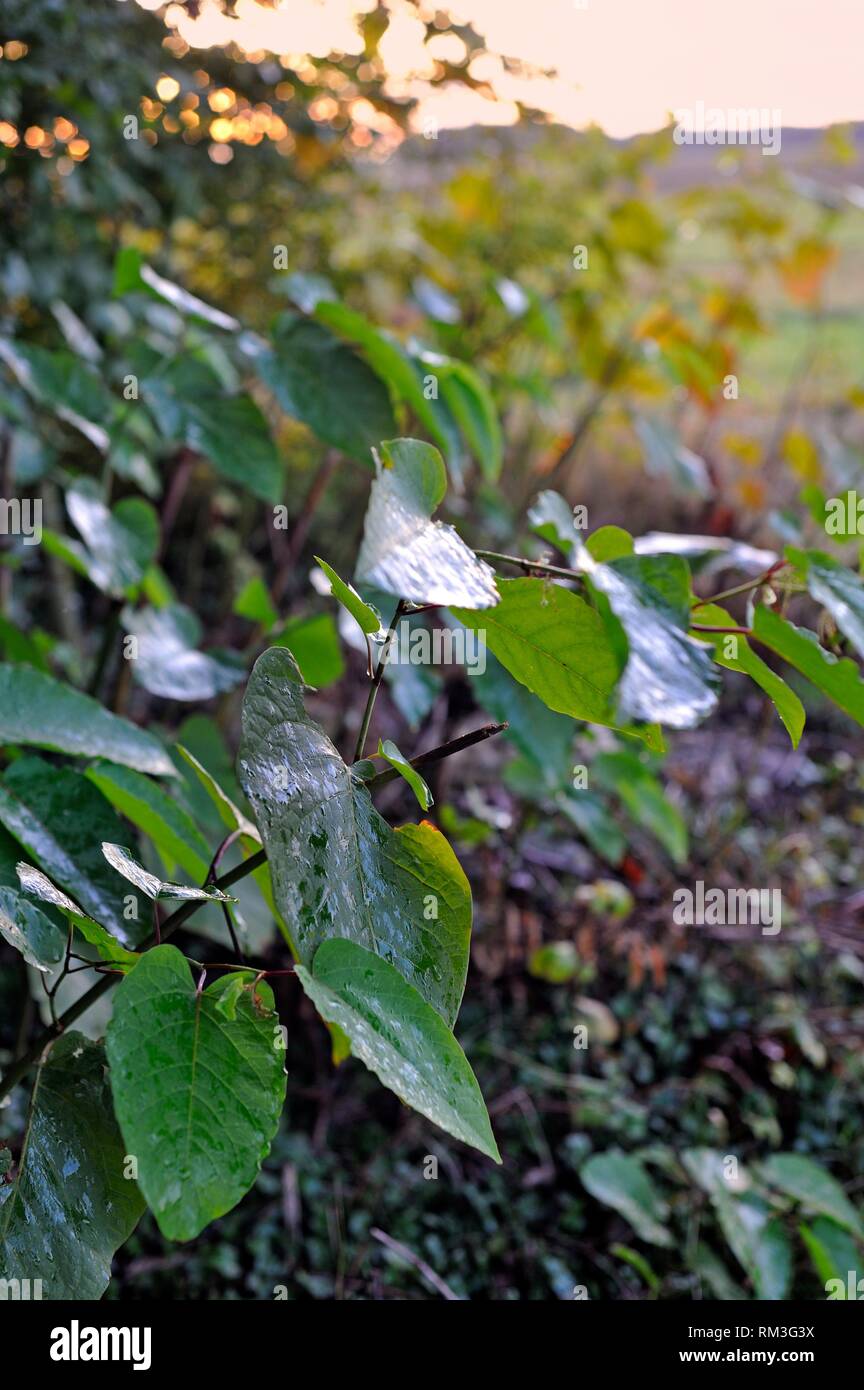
column 337, row 867
column 72, row 1204
column 404, row 552
column 198, row 1088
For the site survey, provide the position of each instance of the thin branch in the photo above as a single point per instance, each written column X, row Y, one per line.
column 401, row 609
column 741, row 588
column 535, row 566
column 446, row 750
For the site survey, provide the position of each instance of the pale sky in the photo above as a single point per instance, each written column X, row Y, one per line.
column 623, row 64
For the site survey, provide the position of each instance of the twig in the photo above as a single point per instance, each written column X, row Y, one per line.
column 538, row 566
column 446, row 750
column 401, row 609
column 428, row 1273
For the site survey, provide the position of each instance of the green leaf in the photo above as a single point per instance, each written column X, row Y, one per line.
column 229, row 814
column 556, row 962
column 367, row 616
column 254, row 602
column 121, row 543
column 404, row 552
column 837, row 589
column 840, row 679
column 784, row 700
column 399, row 1037
column 645, row 800
column 669, row 676
column 317, row 379
column 121, row 860
column 808, row 1182
column 609, row 543
column 403, row 375
column 191, row 407
column 542, row 735
column 471, row 404
column 666, row 457
column 167, row 662
column 160, row 817
column 553, row 642
column 620, row 1181
column 71, row 1205
column 387, row 749
column 35, row 709
column 197, row 1094
column 64, row 385
column 314, row 644
column 338, row 868
column 835, row 1256
column 40, row 941
column 595, row 823
column 758, row 1241
column 551, row 518
column 60, row 819
column 109, row 948
column 130, row 273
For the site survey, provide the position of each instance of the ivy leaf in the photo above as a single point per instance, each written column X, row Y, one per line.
column 34, row 881
column 399, row 1037
column 367, row 616
column 620, row 1181
column 338, row 868
column 809, row 1183
column 197, row 1093
column 404, row 552
column 162, row 819
column 167, row 662
column 669, row 677
column 387, row 749
column 316, row 378
column 552, row 641
column 60, row 819
column 121, row 860
column 840, row 679
column 784, row 700
column 70, row 1206
column 35, row 709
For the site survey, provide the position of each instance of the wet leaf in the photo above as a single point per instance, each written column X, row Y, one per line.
column 40, row 886
column 839, row 679
column 167, row 662
column 393, row 1030
column 70, row 1206
column 784, row 700
column 35, row 709
column 620, row 1181
column 338, row 868
column 121, row 860
column 197, row 1093
column 387, row 749
column 553, row 642
column 407, row 554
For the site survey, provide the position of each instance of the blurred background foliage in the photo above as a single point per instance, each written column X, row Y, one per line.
column 304, row 199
